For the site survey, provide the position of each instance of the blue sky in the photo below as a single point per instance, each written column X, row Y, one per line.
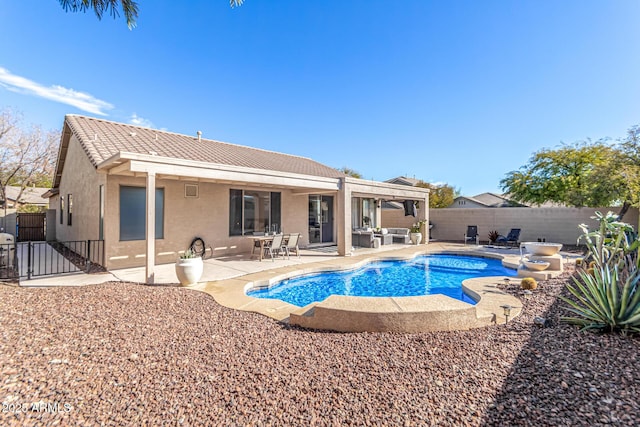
column 456, row 91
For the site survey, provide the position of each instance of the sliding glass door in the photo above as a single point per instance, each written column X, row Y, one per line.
column 320, row 219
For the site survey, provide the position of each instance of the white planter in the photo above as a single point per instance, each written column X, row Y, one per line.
column 415, row 238
column 535, row 265
column 542, row 248
column 189, row 270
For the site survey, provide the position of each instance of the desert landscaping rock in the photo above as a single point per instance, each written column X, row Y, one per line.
column 130, row 354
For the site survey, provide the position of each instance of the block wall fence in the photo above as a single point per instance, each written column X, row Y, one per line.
column 559, row 225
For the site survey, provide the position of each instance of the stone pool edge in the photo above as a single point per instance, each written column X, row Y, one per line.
column 373, row 314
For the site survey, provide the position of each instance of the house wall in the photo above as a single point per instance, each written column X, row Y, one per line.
column 81, row 181
column 558, row 225
column 8, row 222
column 51, row 228
column 206, row 216
column 394, row 218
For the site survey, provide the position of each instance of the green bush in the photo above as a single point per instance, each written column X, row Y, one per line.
column 188, row 254
column 608, row 294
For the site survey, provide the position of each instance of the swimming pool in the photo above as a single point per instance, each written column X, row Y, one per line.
column 423, row 275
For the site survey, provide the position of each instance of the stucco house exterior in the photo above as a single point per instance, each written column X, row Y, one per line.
column 221, row 192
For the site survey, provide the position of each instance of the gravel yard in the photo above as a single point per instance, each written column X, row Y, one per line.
column 129, row 354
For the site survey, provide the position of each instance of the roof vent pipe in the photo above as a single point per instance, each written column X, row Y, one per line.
column 199, row 136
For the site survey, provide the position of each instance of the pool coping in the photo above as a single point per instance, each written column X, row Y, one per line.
column 356, row 314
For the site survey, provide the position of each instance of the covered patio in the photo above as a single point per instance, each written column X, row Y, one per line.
column 157, row 171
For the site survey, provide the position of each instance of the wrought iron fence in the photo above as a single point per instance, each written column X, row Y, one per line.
column 36, row 259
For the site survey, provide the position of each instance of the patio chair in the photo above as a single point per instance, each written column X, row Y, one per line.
column 274, row 246
column 471, row 234
column 292, row 245
column 512, row 238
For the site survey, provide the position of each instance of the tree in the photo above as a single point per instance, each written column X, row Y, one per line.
column 583, row 174
column 627, row 169
column 440, row 196
column 350, row 172
column 129, row 8
column 26, row 157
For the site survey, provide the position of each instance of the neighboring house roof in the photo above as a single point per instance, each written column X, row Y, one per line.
column 490, row 200
column 403, row 180
column 495, row 200
column 102, row 139
column 30, row 195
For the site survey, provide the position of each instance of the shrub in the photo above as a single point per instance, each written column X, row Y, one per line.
column 608, row 294
column 416, row 227
column 188, row 254
column 493, row 236
column 529, row 283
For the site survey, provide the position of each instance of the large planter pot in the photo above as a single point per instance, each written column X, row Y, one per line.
column 415, row 238
column 189, row 270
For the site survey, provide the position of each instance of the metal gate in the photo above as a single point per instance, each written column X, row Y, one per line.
column 28, row 260
column 31, row 227
column 51, row 258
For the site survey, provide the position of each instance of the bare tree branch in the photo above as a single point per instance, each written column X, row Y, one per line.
column 27, row 157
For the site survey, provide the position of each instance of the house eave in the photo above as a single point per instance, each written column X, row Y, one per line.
column 386, row 190
column 134, row 164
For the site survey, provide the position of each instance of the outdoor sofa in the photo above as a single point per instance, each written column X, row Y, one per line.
column 365, row 238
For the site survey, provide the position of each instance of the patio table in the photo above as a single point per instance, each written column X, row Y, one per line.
column 262, row 241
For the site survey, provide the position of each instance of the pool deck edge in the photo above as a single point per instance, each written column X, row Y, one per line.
column 374, row 314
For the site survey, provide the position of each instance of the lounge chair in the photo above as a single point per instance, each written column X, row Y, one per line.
column 512, row 238
column 471, row 234
column 291, row 245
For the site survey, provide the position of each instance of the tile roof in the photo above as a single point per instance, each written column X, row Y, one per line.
column 30, row 195
column 491, row 200
column 102, row 139
column 403, row 180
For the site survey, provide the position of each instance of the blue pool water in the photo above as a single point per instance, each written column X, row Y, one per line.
column 424, row 275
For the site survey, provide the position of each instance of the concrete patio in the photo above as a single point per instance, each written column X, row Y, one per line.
column 233, row 266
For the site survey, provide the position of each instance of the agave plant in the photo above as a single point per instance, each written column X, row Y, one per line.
column 612, row 243
column 606, row 300
column 608, row 295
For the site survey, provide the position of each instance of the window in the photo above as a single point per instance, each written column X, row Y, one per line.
column 61, row 209
column 356, row 213
column 253, row 212
column 133, row 213
column 363, row 213
column 69, row 208
column 101, row 214
column 369, row 213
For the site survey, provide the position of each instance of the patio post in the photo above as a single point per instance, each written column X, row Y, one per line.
column 344, row 219
column 151, row 227
column 425, row 216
